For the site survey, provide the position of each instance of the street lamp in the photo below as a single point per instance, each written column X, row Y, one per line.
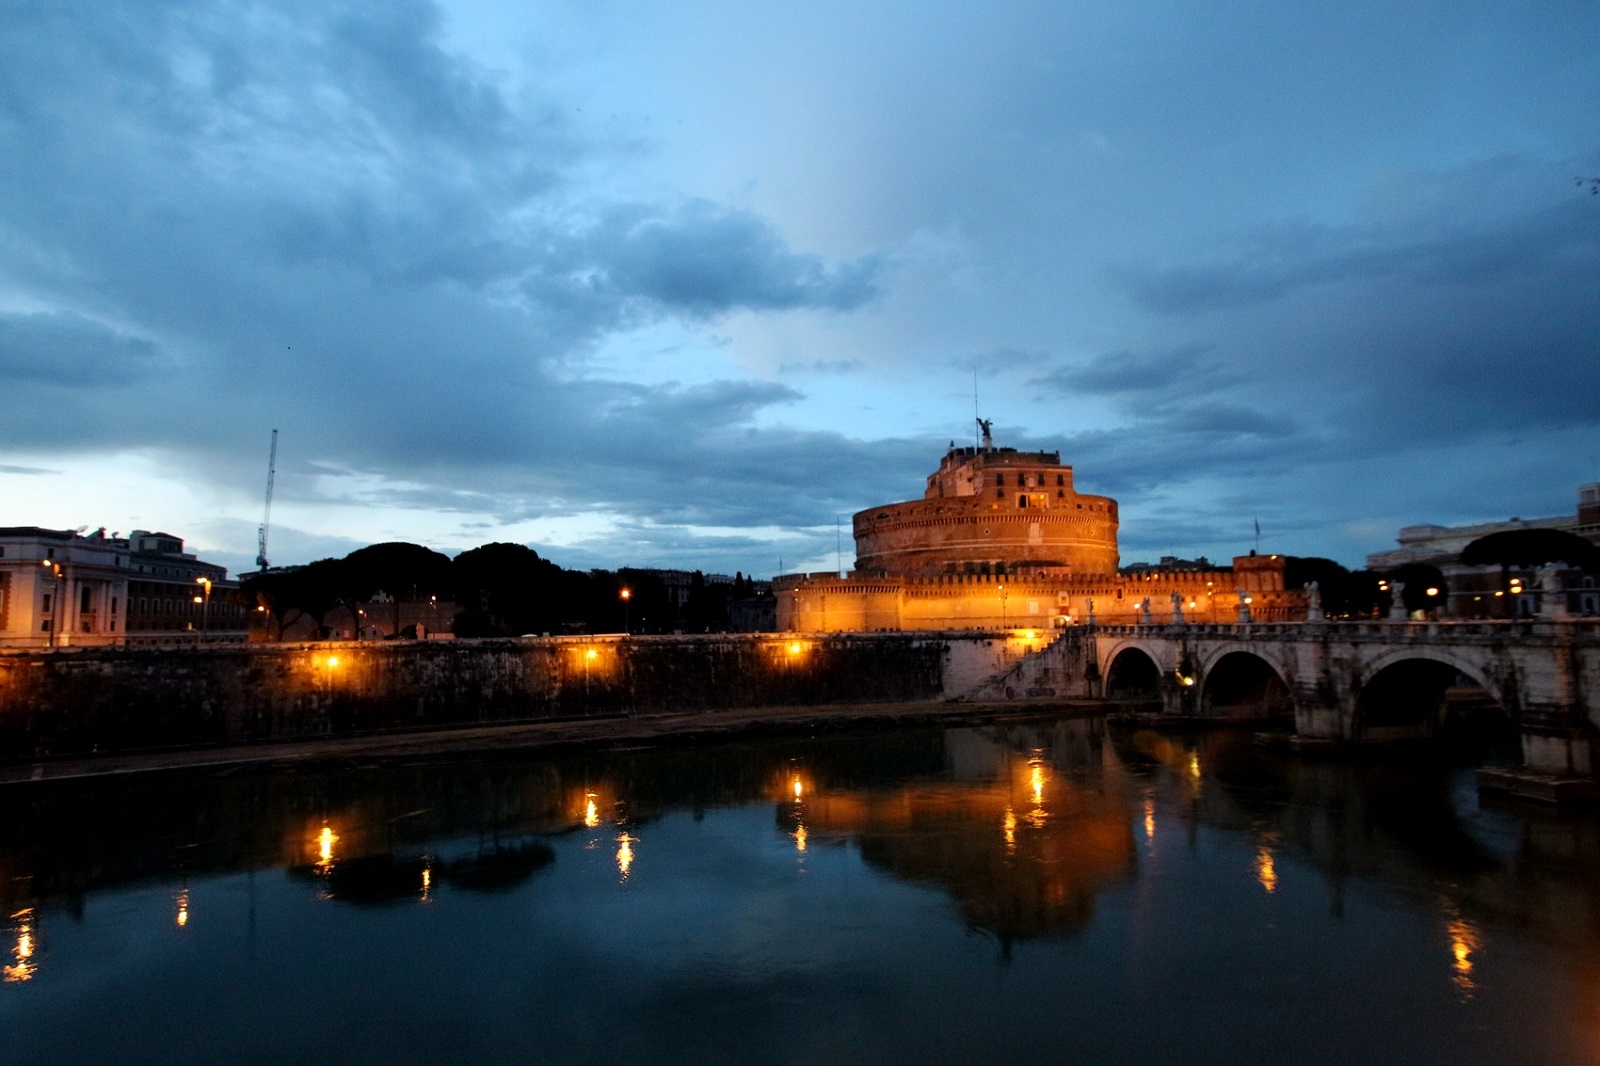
column 627, row 608
column 1002, row 606
column 56, row 612
column 205, row 604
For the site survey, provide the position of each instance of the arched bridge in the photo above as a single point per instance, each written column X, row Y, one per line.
column 1349, row 681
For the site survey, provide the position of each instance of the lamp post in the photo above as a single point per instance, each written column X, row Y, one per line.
column 627, row 608
column 55, row 598
column 205, row 604
column 1003, row 606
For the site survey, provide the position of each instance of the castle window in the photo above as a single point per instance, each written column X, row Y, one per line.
column 999, row 494
column 1022, row 501
column 1061, row 479
column 1060, row 495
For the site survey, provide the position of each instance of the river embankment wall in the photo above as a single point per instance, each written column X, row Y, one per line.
column 78, row 701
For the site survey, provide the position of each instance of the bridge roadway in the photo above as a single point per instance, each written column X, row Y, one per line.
column 1346, row 681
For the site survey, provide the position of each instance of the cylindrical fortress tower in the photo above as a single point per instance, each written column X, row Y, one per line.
column 992, row 509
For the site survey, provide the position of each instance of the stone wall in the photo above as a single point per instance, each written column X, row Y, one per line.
column 104, row 699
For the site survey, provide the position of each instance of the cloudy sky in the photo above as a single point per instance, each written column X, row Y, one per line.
column 680, row 284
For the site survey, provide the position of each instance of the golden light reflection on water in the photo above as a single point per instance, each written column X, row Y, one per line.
column 326, row 839
column 182, row 918
column 799, row 789
column 800, row 837
column 1194, row 765
column 625, row 854
column 22, row 951
column 1036, row 782
column 427, row 880
column 1266, row 872
column 1464, row 940
column 1010, row 827
column 1149, row 819
column 591, row 810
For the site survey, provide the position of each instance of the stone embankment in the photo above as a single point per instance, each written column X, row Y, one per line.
column 193, row 706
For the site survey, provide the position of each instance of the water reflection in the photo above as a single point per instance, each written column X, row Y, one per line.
column 22, row 967
column 182, row 917
column 625, row 843
column 1464, row 942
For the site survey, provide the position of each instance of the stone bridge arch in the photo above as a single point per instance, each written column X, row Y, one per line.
column 1133, row 670
column 1414, row 693
column 1240, row 681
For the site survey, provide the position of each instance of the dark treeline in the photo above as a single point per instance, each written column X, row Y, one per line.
column 497, row 589
column 1358, row 594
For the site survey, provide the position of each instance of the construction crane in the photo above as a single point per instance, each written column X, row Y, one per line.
column 266, row 518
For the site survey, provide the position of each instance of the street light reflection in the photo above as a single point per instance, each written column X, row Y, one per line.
column 591, row 810
column 182, row 918
column 24, row 967
column 1266, row 872
column 625, row 854
column 1464, row 940
column 325, row 842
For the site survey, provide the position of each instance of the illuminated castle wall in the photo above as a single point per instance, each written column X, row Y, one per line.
column 1002, row 540
column 991, row 508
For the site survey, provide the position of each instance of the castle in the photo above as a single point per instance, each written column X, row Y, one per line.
column 1003, row 540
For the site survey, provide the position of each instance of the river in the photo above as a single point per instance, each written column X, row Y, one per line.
column 1030, row 891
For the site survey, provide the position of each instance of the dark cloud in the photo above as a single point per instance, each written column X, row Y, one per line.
column 1135, row 374
column 68, row 350
column 1281, row 260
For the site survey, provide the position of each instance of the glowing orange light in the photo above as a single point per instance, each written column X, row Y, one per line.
column 625, row 854
column 24, row 968
column 800, row 837
column 590, row 654
column 1266, row 872
column 183, row 909
column 1009, row 826
column 325, row 842
column 799, row 789
column 427, row 881
column 1194, row 765
column 1149, row 819
column 794, row 649
column 1463, row 942
column 333, row 660
column 1036, row 782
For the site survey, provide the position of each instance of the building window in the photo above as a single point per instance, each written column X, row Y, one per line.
column 1061, row 479
column 999, row 479
column 1022, row 501
column 46, row 608
column 85, row 603
column 999, row 494
column 113, row 605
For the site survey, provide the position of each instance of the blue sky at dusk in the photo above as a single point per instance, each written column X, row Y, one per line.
column 682, row 284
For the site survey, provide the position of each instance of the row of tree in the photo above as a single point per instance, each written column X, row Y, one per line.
column 498, row 590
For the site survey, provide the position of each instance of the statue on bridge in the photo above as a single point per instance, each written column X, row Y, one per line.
column 1177, row 608
column 1144, row 612
column 1244, row 606
column 1397, row 602
column 1314, row 603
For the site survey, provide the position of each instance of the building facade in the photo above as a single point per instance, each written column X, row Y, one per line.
column 1475, row 591
column 1003, row 540
column 62, row 588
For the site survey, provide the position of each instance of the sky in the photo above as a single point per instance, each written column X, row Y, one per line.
column 686, row 285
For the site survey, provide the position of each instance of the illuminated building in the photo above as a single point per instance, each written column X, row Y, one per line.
column 1002, row 539
column 61, row 588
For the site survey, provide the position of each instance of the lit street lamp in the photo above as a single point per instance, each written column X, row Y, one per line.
column 205, row 604
column 55, row 598
column 627, row 608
